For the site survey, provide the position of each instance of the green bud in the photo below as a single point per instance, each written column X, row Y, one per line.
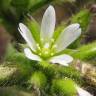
column 63, row 87
column 38, row 80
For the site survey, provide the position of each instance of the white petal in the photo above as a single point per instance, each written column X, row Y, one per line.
column 70, row 34
column 26, row 34
column 30, row 55
column 82, row 92
column 48, row 24
column 61, row 59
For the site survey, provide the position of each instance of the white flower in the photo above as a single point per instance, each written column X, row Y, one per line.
column 82, row 92
column 67, row 36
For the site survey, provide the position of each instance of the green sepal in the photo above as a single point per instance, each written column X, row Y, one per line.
column 33, row 27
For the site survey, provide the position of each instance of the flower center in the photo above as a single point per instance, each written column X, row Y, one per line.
column 47, row 45
column 46, row 51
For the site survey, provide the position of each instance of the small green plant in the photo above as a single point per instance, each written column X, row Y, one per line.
column 44, row 47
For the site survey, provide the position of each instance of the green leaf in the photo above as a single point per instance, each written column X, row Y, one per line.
column 85, row 52
column 83, row 18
